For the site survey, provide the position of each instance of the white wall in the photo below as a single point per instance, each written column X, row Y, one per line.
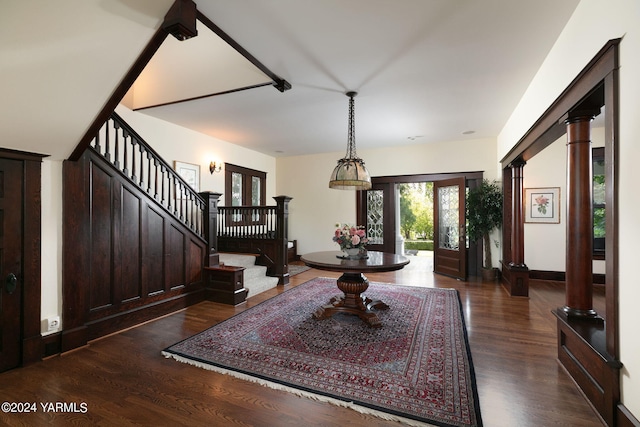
column 591, row 26
column 316, row 208
column 545, row 244
column 51, row 295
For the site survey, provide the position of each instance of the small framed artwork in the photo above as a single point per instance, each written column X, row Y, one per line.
column 189, row 172
column 542, row 205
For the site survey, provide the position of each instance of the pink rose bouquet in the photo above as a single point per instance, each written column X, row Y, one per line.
column 349, row 236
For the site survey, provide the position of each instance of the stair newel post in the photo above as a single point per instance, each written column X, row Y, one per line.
column 210, row 222
column 282, row 235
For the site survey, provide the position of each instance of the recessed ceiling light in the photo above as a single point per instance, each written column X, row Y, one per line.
column 413, row 138
column 468, row 132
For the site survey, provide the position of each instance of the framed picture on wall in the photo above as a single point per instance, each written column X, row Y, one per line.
column 542, row 205
column 189, row 172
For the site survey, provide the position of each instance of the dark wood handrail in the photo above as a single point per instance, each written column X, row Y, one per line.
column 134, row 158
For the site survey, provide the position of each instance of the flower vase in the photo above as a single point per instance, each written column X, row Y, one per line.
column 352, row 253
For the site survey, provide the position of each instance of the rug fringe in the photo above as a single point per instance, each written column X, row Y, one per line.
column 297, row 392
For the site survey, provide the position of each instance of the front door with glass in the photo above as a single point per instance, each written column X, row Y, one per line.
column 449, row 237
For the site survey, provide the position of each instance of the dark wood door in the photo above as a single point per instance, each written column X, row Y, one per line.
column 376, row 212
column 11, row 178
column 449, row 225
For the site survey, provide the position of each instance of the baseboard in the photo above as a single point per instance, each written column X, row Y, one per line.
column 51, row 344
column 126, row 319
column 624, row 418
column 80, row 336
column 559, row 276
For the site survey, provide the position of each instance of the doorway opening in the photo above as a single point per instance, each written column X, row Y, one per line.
column 415, row 201
column 381, row 211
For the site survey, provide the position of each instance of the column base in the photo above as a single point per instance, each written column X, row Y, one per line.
column 516, row 279
column 577, row 313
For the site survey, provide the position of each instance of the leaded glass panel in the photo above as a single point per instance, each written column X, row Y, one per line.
column 255, row 191
column 236, row 189
column 449, row 226
column 375, row 217
column 236, row 193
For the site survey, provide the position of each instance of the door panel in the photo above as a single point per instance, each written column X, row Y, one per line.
column 449, row 243
column 10, row 262
column 376, row 212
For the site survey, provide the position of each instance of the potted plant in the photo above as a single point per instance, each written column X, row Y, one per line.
column 484, row 214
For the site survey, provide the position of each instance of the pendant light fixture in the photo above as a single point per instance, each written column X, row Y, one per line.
column 350, row 173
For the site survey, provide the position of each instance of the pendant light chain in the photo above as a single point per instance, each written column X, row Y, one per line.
column 351, row 144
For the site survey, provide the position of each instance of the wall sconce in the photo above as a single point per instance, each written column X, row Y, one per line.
column 215, row 167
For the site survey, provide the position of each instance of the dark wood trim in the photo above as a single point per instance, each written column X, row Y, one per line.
column 624, row 417
column 279, row 83
column 51, row 344
column 195, row 98
column 120, row 91
column 126, row 319
column 180, row 20
column 32, row 260
column 426, row 177
column 611, row 96
column 547, row 128
column 507, row 212
column 559, row 276
column 247, row 174
column 7, row 153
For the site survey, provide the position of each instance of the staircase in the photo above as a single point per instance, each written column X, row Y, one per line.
column 255, row 276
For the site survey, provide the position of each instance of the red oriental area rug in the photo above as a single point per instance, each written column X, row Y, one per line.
column 416, row 368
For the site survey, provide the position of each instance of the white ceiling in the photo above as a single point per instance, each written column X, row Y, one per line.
column 425, row 70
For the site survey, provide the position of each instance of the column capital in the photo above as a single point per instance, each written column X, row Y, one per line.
column 517, row 163
column 583, row 115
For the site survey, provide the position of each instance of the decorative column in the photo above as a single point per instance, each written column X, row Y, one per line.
column 518, row 277
column 517, row 213
column 210, row 222
column 282, row 234
column 579, row 254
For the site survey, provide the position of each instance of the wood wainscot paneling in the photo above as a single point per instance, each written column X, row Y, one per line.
column 582, row 352
column 126, row 258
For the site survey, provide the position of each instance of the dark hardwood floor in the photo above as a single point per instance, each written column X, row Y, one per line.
column 123, row 380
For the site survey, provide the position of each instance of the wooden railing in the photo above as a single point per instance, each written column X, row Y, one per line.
column 122, row 147
column 259, row 222
column 261, row 230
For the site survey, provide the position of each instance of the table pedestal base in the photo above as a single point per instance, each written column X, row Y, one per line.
column 353, row 302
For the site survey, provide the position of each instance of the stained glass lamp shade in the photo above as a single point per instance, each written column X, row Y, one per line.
column 350, row 173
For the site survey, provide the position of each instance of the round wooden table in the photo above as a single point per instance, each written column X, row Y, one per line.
column 353, row 283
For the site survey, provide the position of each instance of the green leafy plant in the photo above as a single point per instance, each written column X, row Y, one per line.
column 484, row 214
